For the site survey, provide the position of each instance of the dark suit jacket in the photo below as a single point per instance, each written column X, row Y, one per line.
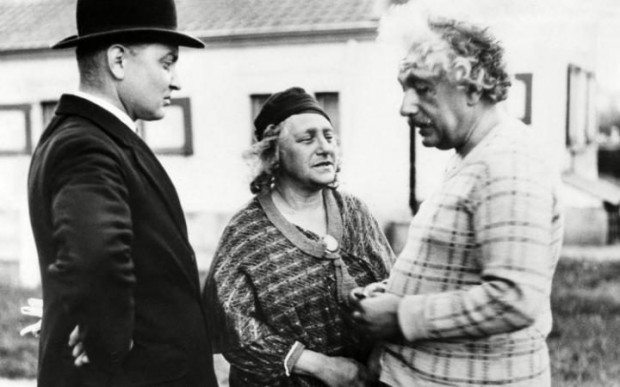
column 114, row 258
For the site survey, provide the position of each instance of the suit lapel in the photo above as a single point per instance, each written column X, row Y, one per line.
column 146, row 161
column 155, row 173
column 160, row 180
column 143, row 156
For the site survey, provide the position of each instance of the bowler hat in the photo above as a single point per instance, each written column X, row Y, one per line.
column 100, row 21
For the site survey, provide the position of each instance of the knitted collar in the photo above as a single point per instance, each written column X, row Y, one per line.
column 311, row 247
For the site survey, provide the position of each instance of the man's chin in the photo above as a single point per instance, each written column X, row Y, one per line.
column 428, row 142
column 152, row 115
column 158, row 115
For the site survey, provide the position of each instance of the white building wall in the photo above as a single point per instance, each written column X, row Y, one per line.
column 25, row 79
column 213, row 182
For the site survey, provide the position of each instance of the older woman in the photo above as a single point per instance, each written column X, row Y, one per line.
column 278, row 284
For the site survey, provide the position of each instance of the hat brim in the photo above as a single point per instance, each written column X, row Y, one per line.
column 146, row 35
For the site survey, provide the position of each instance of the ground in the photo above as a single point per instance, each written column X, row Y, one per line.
column 584, row 346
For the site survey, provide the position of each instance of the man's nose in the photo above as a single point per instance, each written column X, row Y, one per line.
column 175, row 82
column 409, row 106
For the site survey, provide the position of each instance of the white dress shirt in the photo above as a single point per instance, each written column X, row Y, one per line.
column 121, row 115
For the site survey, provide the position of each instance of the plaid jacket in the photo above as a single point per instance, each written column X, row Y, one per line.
column 476, row 272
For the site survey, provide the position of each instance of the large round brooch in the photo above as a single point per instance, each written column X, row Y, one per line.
column 331, row 244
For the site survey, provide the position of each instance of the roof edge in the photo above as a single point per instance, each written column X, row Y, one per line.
column 328, row 32
column 308, row 29
column 291, row 36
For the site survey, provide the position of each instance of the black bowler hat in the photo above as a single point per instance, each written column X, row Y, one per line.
column 146, row 21
column 282, row 105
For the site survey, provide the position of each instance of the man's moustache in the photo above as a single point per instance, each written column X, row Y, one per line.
column 419, row 123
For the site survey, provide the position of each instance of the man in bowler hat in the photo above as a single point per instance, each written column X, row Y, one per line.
column 111, row 237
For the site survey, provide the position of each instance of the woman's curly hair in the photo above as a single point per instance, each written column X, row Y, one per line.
column 263, row 155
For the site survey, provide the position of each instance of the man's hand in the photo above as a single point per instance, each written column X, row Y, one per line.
column 343, row 372
column 333, row 371
column 378, row 315
column 76, row 341
column 375, row 289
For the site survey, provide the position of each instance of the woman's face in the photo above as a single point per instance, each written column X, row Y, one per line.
column 307, row 151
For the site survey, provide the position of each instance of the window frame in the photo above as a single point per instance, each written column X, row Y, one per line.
column 257, row 100
column 578, row 137
column 187, row 149
column 527, row 79
column 26, row 109
column 321, row 97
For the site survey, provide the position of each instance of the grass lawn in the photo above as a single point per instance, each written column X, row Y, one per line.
column 584, row 343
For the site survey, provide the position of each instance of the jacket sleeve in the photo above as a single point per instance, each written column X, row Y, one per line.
column 92, row 229
column 237, row 329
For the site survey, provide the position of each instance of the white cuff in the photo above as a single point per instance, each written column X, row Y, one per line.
column 292, row 356
column 412, row 319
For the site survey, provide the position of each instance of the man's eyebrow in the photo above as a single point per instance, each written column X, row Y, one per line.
column 410, row 78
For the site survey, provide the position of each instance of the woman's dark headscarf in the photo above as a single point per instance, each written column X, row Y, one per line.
column 280, row 106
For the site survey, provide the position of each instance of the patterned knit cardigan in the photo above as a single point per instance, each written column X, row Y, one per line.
column 477, row 269
column 264, row 293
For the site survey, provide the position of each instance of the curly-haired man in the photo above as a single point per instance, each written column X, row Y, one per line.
column 467, row 302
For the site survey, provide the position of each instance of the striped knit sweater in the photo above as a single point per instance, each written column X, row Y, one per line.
column 268, row 289
column 476, row 271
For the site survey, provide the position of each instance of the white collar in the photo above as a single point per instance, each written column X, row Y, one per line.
column 118, row 113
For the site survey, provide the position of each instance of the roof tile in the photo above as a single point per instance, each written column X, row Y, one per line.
column 28, row 24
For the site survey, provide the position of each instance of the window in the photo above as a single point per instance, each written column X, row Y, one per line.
column 256, row 103
column 520, row 98
column 171, row 135
column 15, row 127
column 328, row 100
column 580, row 116
column 48, row 108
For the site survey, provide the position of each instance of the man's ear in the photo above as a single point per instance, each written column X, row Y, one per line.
column 473, row 95
column 117, row 60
